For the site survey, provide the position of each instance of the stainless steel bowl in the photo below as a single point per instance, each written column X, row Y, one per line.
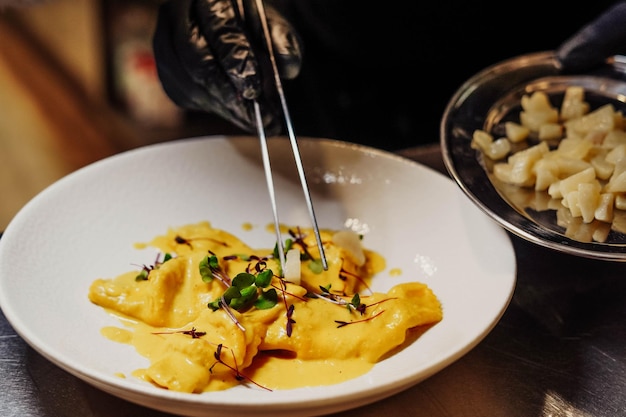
column 486, row 101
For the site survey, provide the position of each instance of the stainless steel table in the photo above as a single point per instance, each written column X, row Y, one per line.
column 559, row 350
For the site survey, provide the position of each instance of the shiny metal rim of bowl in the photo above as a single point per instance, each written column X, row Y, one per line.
column 483, row 101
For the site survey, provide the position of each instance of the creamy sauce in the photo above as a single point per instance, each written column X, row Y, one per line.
column 395, row 272
column 192, row 348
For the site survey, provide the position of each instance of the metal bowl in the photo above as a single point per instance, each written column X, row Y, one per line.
column 490, row 98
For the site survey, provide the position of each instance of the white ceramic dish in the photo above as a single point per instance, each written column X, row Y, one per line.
column 84, row 226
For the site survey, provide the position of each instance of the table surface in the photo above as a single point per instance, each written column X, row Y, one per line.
column 559, row 350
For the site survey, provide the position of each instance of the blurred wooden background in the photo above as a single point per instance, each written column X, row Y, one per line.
column 56, row 110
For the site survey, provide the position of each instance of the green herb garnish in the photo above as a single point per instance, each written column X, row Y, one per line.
column 145, row 270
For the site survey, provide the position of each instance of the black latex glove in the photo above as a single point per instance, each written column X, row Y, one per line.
column 209, row 60
column 595, row 42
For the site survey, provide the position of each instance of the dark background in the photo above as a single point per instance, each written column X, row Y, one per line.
column 381, row 73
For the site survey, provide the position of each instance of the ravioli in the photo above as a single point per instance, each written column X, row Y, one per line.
column 213, row 313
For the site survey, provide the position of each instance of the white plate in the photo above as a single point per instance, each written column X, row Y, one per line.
column 84, row 226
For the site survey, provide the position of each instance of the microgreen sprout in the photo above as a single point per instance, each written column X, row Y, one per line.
column 193, row 333
column 183, row 241
column 246, row 290
column 344, row 274
column 210, row 268
column 356, row 304
column 288, row 307
column 316, row 266
column 297, row 238
column 238, row 375
column 353, row 305
column 290, row 320
column 145, row 269
column 288, row 245
column 342, row 323
column 241, row 256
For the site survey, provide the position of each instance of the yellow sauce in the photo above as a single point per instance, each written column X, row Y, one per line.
column 192, row 348
column 395, row 272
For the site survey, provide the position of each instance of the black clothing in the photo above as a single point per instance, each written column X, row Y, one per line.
column 381, row 74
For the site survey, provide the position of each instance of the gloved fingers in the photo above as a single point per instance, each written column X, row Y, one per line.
column 206, row 61
column 236, row 38
column 189, row 72
column 595, row 42
column 285, row 41
column 286, row 44
column 222, row 27
column 226, row 35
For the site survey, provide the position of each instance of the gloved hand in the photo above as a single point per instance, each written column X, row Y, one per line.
column 595, row 42
column 209, row 60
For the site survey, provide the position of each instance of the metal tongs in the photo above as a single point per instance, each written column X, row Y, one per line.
column 294, row 147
